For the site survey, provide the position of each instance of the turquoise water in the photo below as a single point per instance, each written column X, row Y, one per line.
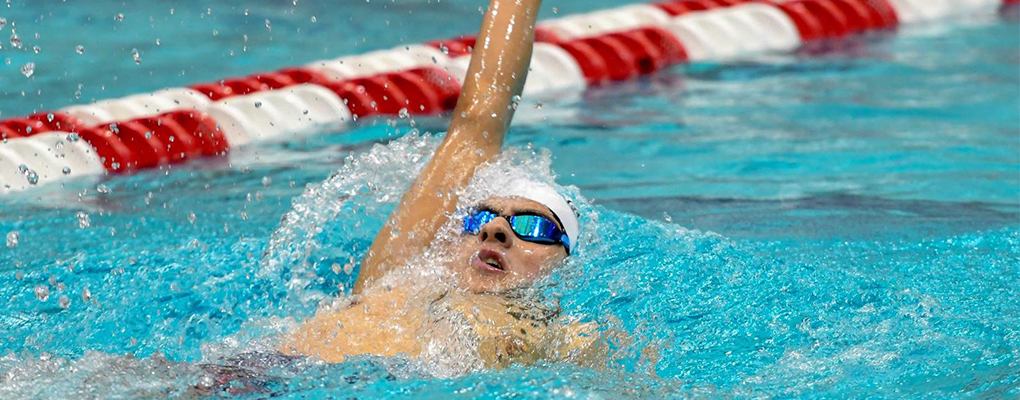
column 844, row 222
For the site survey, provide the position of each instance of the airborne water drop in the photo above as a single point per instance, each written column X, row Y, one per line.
column 28, row 69
column 83, row 220
column 12, row 239
column 42, row 292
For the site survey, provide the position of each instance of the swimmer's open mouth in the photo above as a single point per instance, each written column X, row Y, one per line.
column 489, row 260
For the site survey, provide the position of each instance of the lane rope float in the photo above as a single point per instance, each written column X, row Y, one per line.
column 174, row 125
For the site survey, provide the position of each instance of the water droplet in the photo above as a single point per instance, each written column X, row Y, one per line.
column 28, row 69
column 64, row 302
column 403, row 113
column 30, row 175
column 3, row 23
column 79, row 49
column 191, row 217
column 66, row 170
column 158, row 42
column 136, row 56
column 12, row 239
column 313, row 19
column 101, row 188
column 86, row 295
column 42, row 292
column 15, row 39
column 36, row 49
column 538, row 106
column 73, row 137
column 49, row 117
column 266, row 181
column 667, row 217
column 119, row 17
column 258, row 104
column 268, row 26
column 83, row 220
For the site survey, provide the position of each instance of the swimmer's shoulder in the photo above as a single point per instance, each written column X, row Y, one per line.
column 375, row 323
column 575, row 342
column 513, row 332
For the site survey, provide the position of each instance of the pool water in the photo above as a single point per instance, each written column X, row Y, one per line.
column 843, row 222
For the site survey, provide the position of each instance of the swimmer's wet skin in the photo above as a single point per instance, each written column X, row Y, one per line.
column 497, row 253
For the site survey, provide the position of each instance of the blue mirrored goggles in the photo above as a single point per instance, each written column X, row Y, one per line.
column 529, row 228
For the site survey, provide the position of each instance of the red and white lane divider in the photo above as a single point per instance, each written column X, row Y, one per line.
column 177, row 124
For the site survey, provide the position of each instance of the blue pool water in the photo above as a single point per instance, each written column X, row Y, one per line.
column 844, row 222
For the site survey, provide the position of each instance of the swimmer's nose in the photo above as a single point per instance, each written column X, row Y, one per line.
column 497, row 231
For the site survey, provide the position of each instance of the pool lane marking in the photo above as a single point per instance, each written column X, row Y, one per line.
column 572, row 52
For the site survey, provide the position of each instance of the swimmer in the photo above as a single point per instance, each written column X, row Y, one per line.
column 507, row 242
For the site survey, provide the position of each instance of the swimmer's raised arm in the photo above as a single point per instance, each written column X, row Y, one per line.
column 499, row 66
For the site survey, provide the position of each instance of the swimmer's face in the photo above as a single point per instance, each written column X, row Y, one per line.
column 517, row 262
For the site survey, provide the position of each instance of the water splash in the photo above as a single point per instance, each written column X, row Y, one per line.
column 366, row 185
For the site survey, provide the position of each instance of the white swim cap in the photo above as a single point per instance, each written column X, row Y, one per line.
column 549, row 197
